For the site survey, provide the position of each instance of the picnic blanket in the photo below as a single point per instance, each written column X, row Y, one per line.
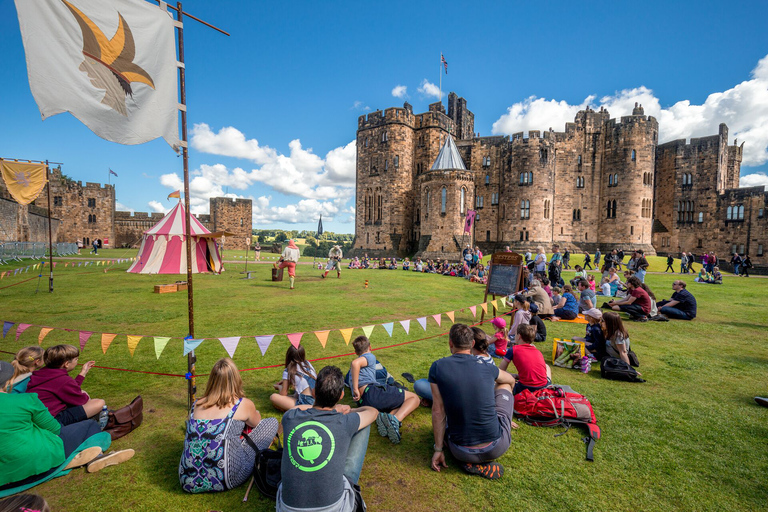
column 102, row 440
column 578, row 320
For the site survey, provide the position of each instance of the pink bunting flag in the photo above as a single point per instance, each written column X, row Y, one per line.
column 263, row 342
column 473, row 309
column 20, row 329
column 84, row 335
column 438, row 318
column 295, row 338
column 230, row 344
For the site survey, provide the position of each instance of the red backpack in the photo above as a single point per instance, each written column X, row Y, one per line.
column 556, row 406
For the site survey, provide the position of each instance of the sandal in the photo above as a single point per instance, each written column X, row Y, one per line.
column 407, row 376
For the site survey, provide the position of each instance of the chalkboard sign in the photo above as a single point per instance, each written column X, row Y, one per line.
column 505, row 274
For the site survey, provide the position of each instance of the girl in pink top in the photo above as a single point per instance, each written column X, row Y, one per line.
column 500, row 337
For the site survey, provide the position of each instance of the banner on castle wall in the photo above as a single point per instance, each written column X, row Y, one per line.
column 24, row 181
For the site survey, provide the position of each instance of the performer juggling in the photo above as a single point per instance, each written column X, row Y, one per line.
column 289, row 259
column 334, row 261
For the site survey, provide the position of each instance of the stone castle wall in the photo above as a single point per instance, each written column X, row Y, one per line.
column 25, row 223
column 233, row 216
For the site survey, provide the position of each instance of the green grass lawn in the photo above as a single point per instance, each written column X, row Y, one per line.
column 691, row 438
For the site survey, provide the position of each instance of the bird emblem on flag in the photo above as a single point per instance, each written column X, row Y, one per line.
column 109, row 62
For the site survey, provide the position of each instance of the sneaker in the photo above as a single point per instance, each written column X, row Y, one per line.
column 381, row 423
column 110, row 459
column 761, row 401
column 84, row 457
column 323, row 276
column 489, row 470
column 393, row 429
column 640, row 319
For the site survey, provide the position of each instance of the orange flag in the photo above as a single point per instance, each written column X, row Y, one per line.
column 484, row 305
column 106, row 339
column 450, row 315
column 346, row 333
column 322, row 337
column 43, row 333
column 133, row 342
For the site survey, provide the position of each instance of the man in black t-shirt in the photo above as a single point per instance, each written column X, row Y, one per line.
column 325, row 446
column 475, row 410
column 682, row 305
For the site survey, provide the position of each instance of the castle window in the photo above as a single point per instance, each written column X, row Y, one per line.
column 486, row 161
column 741, row 212
column 462, row 200
column 487, row 179
column 561, row 230
column 578, row 159
column 495, row 198
column 530, row 178
column 526, row 236
column 741, row 249
column 610, row 180
column 386, row 165
column 701, row 217
column 760, row 213
column 615, row 179
column 543, row 155
column 384, row 136
column 241, row 222
column 366, row 142
column 397, row 161
column 57, row 201
column 634, row 155
column 525, row 209
column 631, row 230
column 478, row 203
column 443, row 198
column 580, row 182
column 729, row 213
column 759, row 249
column 546, row 209
column 576, row 214
column 487, row 236
column 522, row 236
column 91, row 202
column 613, row 208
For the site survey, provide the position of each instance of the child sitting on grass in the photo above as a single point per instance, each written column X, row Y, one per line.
column 500, row 336
column 393, row 403
column 533, row 372
column 300, row 375
column 556, row 295
column 594, row 341
column 480, row 348
column 26, row 361
column 59, row 392
column 541, row 329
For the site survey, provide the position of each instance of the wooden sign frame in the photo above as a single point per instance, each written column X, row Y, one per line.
column 503, row 262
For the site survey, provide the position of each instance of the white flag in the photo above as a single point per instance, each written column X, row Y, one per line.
column 110, row 64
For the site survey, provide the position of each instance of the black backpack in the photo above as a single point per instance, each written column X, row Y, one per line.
column 616, row 369
column 267, row 470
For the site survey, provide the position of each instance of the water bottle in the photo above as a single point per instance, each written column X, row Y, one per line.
column 103, row 417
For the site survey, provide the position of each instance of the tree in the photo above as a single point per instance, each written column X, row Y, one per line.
column 281, row 236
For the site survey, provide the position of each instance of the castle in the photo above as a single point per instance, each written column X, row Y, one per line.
column 87, row 213
column 601, row 183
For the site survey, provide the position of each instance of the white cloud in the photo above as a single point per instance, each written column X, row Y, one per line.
column 758, row 179
column 305, row 211
column 429, row 89
column 300, row 173
column 358, row 105
column 122, row 208
column 400, row 91
column 744, row 108
column 158, row 207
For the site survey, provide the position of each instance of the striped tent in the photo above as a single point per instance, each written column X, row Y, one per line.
column 163, row 248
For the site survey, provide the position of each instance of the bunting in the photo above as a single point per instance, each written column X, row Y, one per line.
column 389, row 327
column 346, row 334
column 295, row 338
column 495, row 306
column 7, row 327
column 190, row 345
column 484, row 305
column 422, row 322
column 473, row 309
column 230, row 344
column 438, row 318
column 449, row 314
column 43, row 333
column 367, row 330
column 160, row 343
column 133, row 342
column 406, row 325
column 263, row 342
column 20, row 329
column 106, row 341
column 84, row 336
column 322, row 337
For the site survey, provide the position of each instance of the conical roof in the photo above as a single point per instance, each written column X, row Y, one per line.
column 449, row 157
column 175, row 223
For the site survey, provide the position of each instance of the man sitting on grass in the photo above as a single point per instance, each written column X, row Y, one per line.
column 637, row 304
column 325, row 447
column 682, row 305
column 476, row 402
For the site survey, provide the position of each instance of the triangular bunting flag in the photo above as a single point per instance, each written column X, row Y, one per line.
column 438, row 318
column 367, row 330
column 230, row 344
column 133, row 342
column 6, row 327
column 450, row 315
column 322, row 337
column 160, row 343
column 495, row 306
column 190, row 345
column 20, row 329
column 473, row 309
column 406, row 325
column 388, row 327
column 484, row 305
column 346, row 334
column 106, row 341
column 422, row 322
column 295, row 338
column 43, row 333
column 263, row 343
column 84, row 336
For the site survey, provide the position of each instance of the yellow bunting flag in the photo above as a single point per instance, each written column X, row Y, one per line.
column 450, row 315
column 495, row 306
column 133, row 342
column 160, row 343
column 322, row 337
column 484, row 305
column 367, row 330
column 106, row 340
column 43, row 333
column 346, row 334
column 24, row 181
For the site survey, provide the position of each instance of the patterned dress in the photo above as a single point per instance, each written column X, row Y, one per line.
column 216, row 457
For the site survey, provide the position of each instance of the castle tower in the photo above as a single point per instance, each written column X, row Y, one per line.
column 446, row 192
column 233, row 216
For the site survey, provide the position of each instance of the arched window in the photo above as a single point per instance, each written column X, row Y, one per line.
column 443, row 198
column 546, row 209
column 615, row 179
column 741, row 214
column 610, row 180
column 608, row 210
column 462, row 207
column 634, row 155
column 578, row 159
column 366, row 142
column 487, row 179
column 525, row 209
column 701, row 217
column 578, row 214
column 729, row 213
column 530, row 178
column 521, row 178
column 384, row 136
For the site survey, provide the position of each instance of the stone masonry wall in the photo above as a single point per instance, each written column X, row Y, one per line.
column 24, row 223
column 233, row 216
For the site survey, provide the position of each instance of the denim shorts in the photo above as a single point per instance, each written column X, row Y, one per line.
column 71, row 415
column 302, row 399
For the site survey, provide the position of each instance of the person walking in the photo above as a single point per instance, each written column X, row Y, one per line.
column 683, row 263
column 746, row 265
column 597, row 258
column 289, row 258
column 736, row 261
column 670, row 261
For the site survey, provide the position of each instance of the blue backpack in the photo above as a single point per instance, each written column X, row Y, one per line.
column 382, row 376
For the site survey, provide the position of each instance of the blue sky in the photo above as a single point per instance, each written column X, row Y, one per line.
column 275, row 106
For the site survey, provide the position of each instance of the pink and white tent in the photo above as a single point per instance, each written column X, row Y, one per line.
column 163, row 248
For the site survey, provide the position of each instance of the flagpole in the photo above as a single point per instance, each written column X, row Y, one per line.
column 191, row 359
column 50, row 231
column 440, row 72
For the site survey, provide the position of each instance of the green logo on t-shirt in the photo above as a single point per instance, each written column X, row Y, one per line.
column 310, row 446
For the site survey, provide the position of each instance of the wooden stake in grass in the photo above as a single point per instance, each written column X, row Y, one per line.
column 248, row 491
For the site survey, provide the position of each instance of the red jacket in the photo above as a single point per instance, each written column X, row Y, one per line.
column 56, row 389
